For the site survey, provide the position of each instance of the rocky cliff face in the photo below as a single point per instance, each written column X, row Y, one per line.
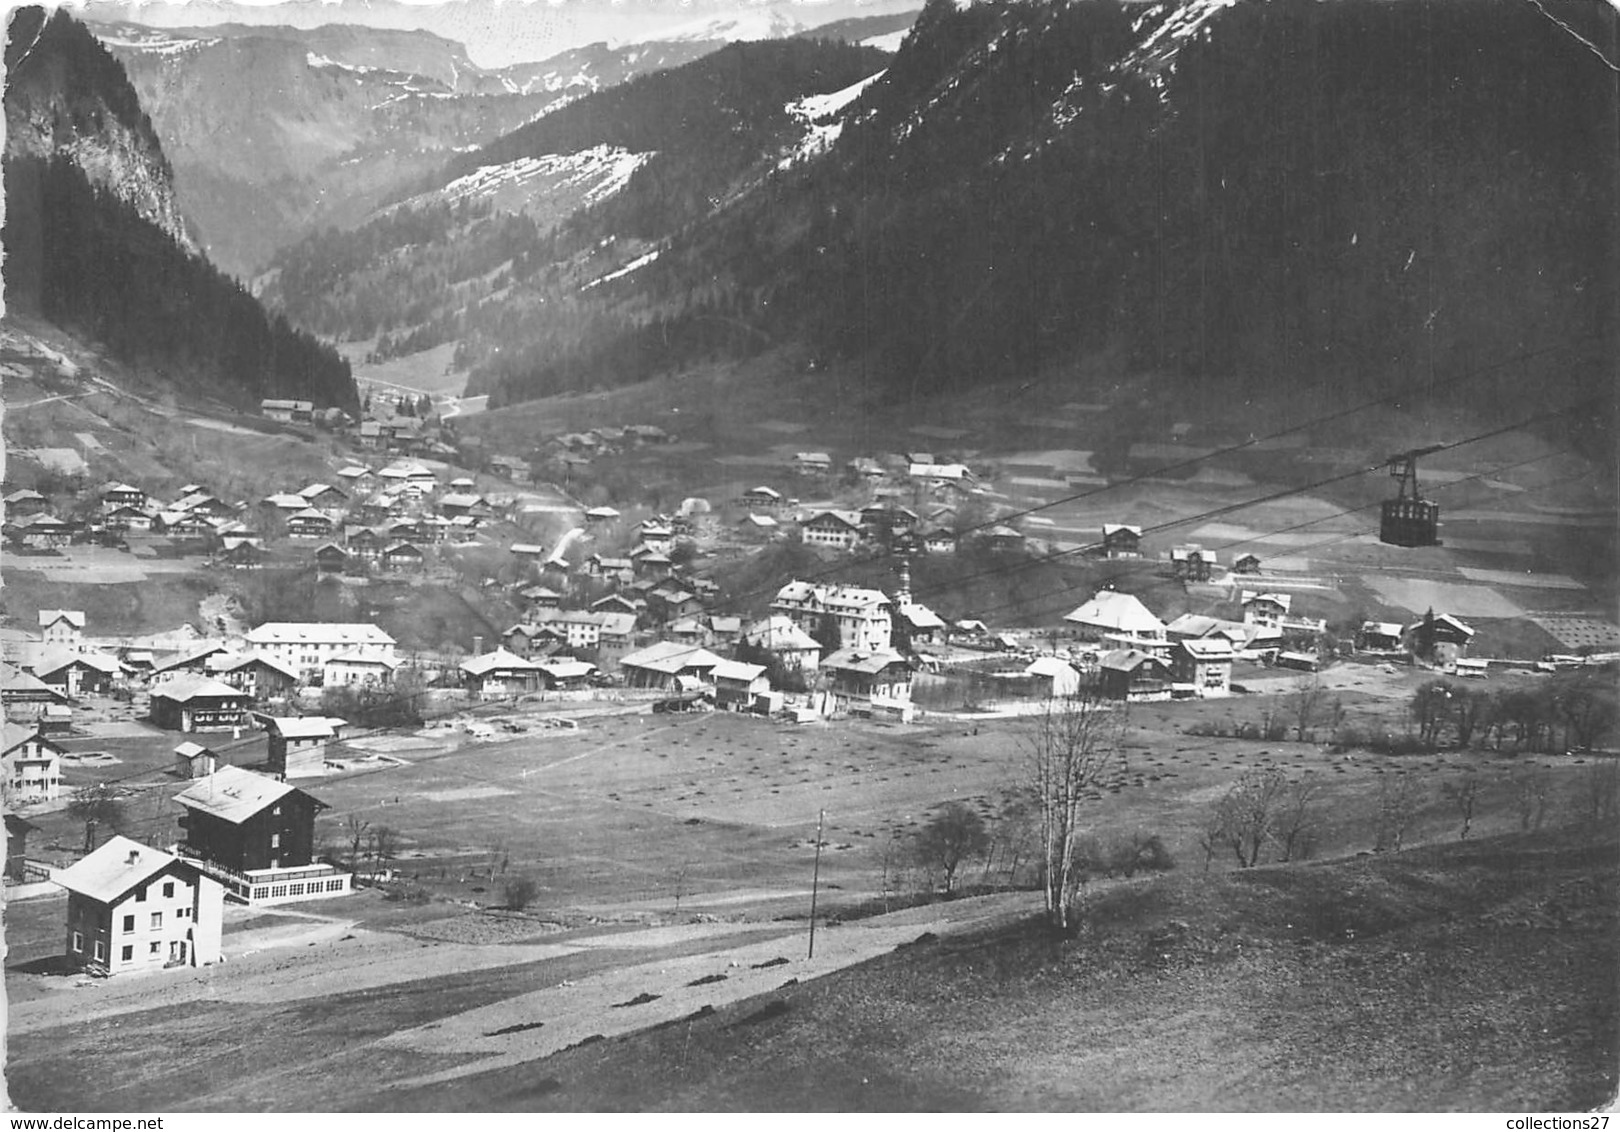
column 51, row 109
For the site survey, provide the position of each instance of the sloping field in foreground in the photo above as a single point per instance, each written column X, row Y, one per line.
column 1477, row 975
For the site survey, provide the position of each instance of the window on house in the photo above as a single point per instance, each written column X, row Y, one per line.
column 155, row 947
column 140, row 895
column 126, row 954
column 129, row 923
column 78, row 943
column 275, row 841
column 157, row 920
column 101, row 950
column 168, row 888
column 182, row 914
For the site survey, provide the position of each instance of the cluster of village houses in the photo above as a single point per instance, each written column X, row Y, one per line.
column 248, row 836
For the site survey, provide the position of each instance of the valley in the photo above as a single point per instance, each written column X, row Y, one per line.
column 932, row 562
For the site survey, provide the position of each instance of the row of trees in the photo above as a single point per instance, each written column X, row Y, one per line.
column 1575, row 711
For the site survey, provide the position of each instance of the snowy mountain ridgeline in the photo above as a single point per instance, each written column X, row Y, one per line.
column 95, row 244
column 1379, row 195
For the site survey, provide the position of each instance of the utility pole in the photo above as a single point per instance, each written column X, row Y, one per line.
column 815, row 883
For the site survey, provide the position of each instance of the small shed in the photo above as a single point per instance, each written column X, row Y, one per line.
column 193, row 760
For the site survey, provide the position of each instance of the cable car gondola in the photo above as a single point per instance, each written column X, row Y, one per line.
column 1409, row 519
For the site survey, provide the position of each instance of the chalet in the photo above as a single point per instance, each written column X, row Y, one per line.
column 691, row 507
column 866, row 682
column 940, row 475
column 198, row 703
column 656, row 534
column 190, row 661
column 257, row 836
column 601, row 515
column 330, row 558
column 457, row 504
column 25, row 696
column 1438, row 639
column 687, row 631
column 864, row 468
column 737, row 685
column 116, row 495
column 1246, row 639
column 1472, row 668
column 309, row 523
column 288, row 412
column 791, row 644
column 127, row 519
column 527, row 551
column 663, row 664
column 1266, row 608
column 529, row 641
column 615, row 639
column 402, row 556
column 26, row 502
column 762, row 498
column 762, row 526
column 500, row 673
column 812, row 463
column 372, row 435
column 838, row 529
column 541, row 597
column 365, row 542
column 409, row 475
column 76, row 673
column 510, row 467
column 1191, row 563
column 1055, row 678
column 286, row 502
column 1116, row 617
column 646, row 562
column 61, row 627
column 325, row 497
column 1121, row 541
column 863, row 616
column 193, row 760
column 939, row 540
column 620, row 602
column 355, row 477
column 360, row 668
column 921, row 624
column 1134, row 676
column 202, row 503
column 134, row 908
column 1379, row 636
column 1299, row 661
column 17, row 831
column 609, row 566
column 379, row 508
column 1246, row 564
column 1002, row 539
column 42, row 532
column 1203, row 667
column 241, row 553
column 30, row 766
column 298, row 745
column 405, row 530
column 725, row 630
column 565, row 675
column 181, row 524
column 306, row 647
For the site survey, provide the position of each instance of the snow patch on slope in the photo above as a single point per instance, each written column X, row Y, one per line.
column 819, row 113
column 601, row 171
column 639, row 261
column 889, row 42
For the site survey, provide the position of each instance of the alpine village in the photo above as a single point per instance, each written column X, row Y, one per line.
column 998, row 555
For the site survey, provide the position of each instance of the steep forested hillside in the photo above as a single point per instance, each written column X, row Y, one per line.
column 86, row 246
column 624, row 168
column 1385, row 193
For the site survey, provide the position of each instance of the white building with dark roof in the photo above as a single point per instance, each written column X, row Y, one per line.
column 306, row 647
column 135, row 908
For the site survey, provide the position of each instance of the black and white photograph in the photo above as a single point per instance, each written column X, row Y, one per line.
column 811, row 556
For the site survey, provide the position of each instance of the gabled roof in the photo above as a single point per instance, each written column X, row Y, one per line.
column 618, row 624
column 114, row 869
column 1285, row 601
column 185, row 688
column 812, row 457
column 1129, row 660
column 1208, row 648
column 737, row 670
column 485, row 663
column 301, row 632
column 301, row 727
column 1048, row 666
column 310, row 514
column 566, row 669
column 353, row 472
column 920, row 616
column 670, row 657
column 316, row 489
column 13, row 679
column 460, row 499
column 850, row 519
column 56, row 660
column 768, row 492
column 234, row 795
column 1444, row 620
column 1118, row 612
column 14, row 735
column 864, row 661
column 26, row 495
column 121, row 489
column 191, row 750
column 601, row 513
column 360, row 656
column 49, row 617
column 1381, row 628
column 1111, row 529
column 779, row 633
column 527, row 548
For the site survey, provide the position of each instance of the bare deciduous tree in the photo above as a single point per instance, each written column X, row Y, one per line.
column 1530, row 789
column 1074, row 753
column 951, row 837
column 1399, row 796
column 1463, row 792
column 1310, row 705
column 355, row 829
column 1294, row 828
column 1600, row 792
column 1243, row 818
column 95, row 806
